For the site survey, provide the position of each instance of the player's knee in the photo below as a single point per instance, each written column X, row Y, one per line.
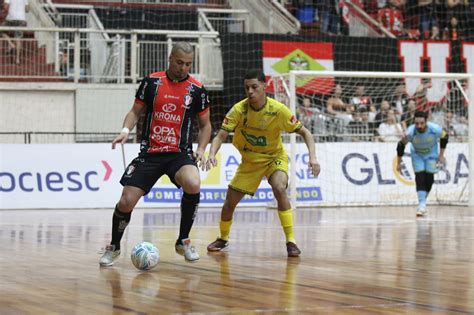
column 126, row 203
column 192, row 185
column 279, row 189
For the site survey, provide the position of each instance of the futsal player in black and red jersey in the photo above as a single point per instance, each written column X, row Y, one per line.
column 170, row 99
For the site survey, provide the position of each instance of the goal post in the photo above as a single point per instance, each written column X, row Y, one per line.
column 358, row 168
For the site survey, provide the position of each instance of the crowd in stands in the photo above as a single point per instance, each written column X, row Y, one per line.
column 414, row 19
column 355, row 116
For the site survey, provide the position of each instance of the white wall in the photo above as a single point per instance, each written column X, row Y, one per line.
column 62, row 107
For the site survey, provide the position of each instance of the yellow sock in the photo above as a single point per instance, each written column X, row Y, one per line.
column 286, row 219
column 225, row 229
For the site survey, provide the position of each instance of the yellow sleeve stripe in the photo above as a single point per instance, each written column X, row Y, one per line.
column 298, row 127
column 227, row 129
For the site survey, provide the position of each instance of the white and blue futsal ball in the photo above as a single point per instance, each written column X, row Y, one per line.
column 145, row 256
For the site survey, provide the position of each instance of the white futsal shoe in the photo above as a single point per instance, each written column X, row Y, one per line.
column 187, row 250
column 109, row 256
column 421, row 211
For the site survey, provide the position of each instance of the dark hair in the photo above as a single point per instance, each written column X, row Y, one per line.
column 362, row 109
column 421, row 114
column 255, row 74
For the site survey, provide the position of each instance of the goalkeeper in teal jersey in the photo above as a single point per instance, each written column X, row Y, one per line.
column 425, row 156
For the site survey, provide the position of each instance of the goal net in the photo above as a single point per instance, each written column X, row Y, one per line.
column 357, row 118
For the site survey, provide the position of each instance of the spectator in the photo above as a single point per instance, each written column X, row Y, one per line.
column 305, row 113
column 399, row 100
column 435, row 34
column 448, row 123
column 390, row 130
column 335, row 105
column 408, row 117
column 63, row 59
column 453, row 31
column 420, row 96
column 360, row 126
column 16, row 17
column 382, row 113
column 329, row 16
column 456, row 127
column 305, row 11
column 391, row 18
column 427, row 14
column 353, row 126
column 360, row 99
column 458, row 8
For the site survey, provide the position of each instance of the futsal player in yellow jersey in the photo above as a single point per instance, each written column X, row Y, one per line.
column 257, row 123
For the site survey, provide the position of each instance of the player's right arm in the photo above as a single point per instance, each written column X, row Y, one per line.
column 408, row 137
column 400, row 151
column 215, row 146
column 129, row 123
column 231, row 120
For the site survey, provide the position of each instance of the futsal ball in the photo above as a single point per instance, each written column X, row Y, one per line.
column 145, row 256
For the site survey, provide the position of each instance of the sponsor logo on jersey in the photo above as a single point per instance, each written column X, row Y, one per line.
column 168, row 117
column 130, row 169
column 256, row 141
column 169, row 107
column 293, row 119
column 164, row 134
column 187, row 102
column 171, row 96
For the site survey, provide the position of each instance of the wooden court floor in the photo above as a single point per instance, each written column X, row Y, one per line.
column 355, row 261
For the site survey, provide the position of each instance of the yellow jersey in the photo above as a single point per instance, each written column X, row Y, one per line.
column 260, row 131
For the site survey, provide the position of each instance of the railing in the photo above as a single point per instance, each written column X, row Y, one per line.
column 93, row 57
column 38, row 137
column 290, row 18
column 268, row 16
column 196, row 2
column 363, row 25
column 167, row 2
column 224, row 20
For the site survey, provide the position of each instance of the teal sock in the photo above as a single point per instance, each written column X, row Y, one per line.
column 422, row 197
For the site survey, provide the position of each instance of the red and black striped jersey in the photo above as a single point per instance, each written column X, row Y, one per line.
column 171, row 107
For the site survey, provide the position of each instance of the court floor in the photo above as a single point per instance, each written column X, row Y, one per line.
column 373, row 260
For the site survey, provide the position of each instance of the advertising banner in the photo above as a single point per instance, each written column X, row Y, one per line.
column 62, row 176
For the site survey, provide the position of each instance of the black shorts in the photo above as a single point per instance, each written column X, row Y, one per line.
column 144, row 172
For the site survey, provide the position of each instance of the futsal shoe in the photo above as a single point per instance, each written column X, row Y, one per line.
column 421, row 211
column 218, row 245
column 184, row 248
column 292, row 249
column 109, row 256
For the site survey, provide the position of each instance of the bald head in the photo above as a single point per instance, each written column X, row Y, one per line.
column 180, row 61
column 185, row 47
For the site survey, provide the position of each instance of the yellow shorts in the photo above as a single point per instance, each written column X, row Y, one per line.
column 253, row 167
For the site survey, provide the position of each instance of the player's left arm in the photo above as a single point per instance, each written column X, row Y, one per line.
column 443, row 142
column 313, row 164
column 205, row 129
